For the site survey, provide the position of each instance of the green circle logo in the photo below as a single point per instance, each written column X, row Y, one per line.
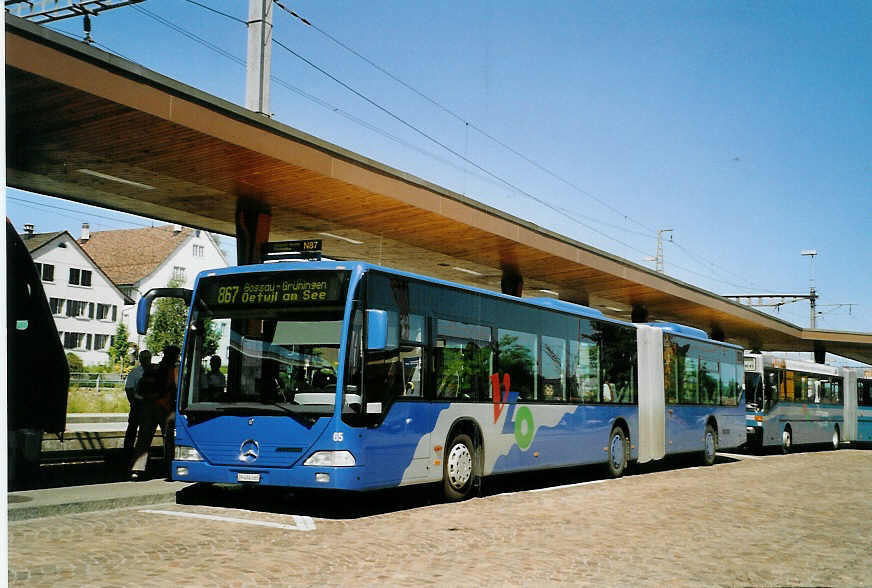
column 524, row 427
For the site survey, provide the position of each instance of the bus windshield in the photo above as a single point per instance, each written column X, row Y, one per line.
column 265, row 344
column 753, row 390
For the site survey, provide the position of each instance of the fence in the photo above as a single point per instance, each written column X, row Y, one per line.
column 97, row 381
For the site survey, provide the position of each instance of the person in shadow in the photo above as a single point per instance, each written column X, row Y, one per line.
column 157, row 388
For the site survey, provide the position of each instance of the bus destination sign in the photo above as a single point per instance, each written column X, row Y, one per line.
column 305, row 246
column 274, row 289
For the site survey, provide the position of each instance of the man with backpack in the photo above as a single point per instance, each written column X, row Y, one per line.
column 157, row 387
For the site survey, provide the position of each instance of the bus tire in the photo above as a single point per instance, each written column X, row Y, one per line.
column 458, row 468
column 786, row 440
column 710, row 445
column 617, row 450
column 836, row 437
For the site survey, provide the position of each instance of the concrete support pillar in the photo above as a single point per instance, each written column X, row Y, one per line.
column 512, row 282
column 252, row 231
column 717, row 333
column 582, row 299
column 639, row 314
column 820, row 352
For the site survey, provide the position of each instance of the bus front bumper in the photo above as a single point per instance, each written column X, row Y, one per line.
column 337, row 478
column 754, row 436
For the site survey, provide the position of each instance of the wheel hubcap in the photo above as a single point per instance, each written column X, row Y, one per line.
column 617, row 452
column 785, row 438
column 459, row 466
column 835, row 438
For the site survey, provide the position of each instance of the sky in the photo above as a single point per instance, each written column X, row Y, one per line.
column 744, row 127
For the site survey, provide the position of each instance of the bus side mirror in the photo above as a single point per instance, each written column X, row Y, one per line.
column 143, row 308
column 376, row 329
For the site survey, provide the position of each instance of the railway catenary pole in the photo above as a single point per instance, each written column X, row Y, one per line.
column 259, row 53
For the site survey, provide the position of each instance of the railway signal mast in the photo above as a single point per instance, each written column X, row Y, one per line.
column 776, row 301
column 812, row 296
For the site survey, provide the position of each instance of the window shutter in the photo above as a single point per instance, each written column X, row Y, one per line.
column 90, row 310
column 88, row 344
column 114, row 313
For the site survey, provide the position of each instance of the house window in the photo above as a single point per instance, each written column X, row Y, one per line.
column 80, row 277
column 45, row 271
column 56, row 304
column 104, row 311
column 74, row 340
column 100, row 342
column 79, row 308
column 199, row 250
column 179, row 273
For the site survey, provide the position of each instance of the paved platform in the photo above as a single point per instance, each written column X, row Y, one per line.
column 772, row 520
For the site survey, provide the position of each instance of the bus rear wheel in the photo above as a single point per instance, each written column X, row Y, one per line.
column 617, row 449
column 458, row 468
column 786, row 440
column 710, row 446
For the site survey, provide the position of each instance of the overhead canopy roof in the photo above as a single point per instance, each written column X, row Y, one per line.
column 88, row 126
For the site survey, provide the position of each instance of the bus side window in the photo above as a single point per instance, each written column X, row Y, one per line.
column 584, row 372
column 518, row 357
column 463, row 361
column 553, row 369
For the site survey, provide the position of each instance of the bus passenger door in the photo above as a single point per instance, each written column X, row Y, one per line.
column 397, row 444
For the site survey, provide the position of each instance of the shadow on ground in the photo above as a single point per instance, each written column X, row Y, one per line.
column 112, row 466
column 352, row 505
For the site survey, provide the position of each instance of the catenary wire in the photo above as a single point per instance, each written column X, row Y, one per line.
column 460, row 118
column 361, row 122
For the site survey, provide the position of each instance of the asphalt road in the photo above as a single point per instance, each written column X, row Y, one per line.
column 800, row 519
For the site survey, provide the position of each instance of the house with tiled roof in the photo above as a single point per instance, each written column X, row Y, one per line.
column 85, row 302
column 137, row 260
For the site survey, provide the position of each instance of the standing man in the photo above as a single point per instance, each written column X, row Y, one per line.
column 158, row 388
column 135, row 399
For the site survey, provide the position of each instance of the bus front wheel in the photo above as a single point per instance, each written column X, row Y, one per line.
column 458, row 468
column 836, row 438
column 786, row 440
column 617, row 449
column 710, row 447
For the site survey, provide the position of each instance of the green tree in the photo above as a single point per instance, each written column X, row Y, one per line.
column 75, row 362
column 120, row 343
column 167, row 325
column 212, row 339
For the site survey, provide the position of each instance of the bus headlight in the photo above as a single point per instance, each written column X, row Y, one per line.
column 336, row 459
column 185, row 453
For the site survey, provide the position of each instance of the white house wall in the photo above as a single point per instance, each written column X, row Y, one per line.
column 63, row 253
column 183, row 257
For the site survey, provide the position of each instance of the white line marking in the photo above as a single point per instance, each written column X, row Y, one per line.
column 301, row 523
column 739, row 455
column 569, row 486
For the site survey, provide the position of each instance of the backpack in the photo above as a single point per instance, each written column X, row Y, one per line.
column 153, row 383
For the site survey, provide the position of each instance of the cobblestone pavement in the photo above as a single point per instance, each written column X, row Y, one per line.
column 802, row 519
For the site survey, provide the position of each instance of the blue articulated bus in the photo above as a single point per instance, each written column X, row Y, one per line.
column 350, row 376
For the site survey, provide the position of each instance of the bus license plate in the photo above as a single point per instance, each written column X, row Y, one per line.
column 247, row 477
